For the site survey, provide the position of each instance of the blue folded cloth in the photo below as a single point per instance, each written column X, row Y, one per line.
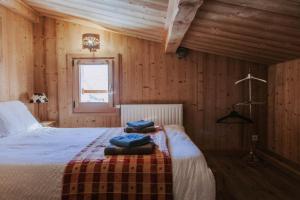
column 130, row 140
column 140, row 124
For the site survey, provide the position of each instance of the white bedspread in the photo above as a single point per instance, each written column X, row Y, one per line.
column 26, row 159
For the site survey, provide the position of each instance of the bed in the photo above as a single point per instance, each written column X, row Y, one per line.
column 33, row 158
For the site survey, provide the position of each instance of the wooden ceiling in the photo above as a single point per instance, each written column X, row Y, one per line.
column 139, row 18
column 263, row 31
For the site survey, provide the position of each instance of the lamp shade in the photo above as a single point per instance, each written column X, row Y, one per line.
column 39, row 98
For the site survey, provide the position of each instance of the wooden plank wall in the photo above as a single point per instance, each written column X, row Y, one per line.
column 284, row 110
column 202, row 82
column 220, row 94
column 16, row 57
column 45, row 68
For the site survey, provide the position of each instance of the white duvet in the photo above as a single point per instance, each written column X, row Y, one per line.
column 32, row 163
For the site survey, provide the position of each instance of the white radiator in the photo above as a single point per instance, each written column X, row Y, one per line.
column 161, row 114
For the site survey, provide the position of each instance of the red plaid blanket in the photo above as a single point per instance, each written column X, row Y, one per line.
column 93, row 176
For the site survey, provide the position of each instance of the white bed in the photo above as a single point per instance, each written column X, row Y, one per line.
column 32, row 159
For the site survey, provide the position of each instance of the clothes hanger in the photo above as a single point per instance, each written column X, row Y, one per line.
column 250, row 77
column 234, row 115
column 250, row 102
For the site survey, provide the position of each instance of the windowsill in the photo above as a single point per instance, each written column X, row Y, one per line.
column 110, row 110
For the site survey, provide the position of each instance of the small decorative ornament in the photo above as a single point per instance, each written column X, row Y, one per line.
column 39, row 98
column 91, row 41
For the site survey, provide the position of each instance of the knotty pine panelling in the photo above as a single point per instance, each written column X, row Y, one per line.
column 284, row 110
column 45, row 68
column 16, row 57
column 202, row 82
column 220, row 93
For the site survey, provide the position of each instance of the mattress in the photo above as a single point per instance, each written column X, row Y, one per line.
column 44, row 152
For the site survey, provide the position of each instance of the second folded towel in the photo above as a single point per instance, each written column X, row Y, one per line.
column 150, row 129
column 130, row 140
column 141, row 124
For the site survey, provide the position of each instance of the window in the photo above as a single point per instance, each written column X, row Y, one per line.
column 93, row 84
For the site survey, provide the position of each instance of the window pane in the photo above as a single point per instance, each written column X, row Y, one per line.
column 94, row 83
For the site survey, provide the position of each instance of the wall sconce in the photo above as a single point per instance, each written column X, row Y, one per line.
column 91, row 41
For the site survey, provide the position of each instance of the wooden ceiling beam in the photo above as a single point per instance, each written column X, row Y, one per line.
column 19, row 7
column 179, row 18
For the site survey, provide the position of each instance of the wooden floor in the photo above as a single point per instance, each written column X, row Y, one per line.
column 238, row 181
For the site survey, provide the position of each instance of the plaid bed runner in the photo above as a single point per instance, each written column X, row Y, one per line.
column 93, row 176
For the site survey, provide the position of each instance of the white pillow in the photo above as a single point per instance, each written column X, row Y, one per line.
column 16, row 118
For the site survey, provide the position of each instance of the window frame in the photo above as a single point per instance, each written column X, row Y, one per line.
column 94, row 107
column 77, row 78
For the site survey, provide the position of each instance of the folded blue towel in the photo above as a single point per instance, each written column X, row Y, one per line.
column 130, row 140
column 140, row 124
